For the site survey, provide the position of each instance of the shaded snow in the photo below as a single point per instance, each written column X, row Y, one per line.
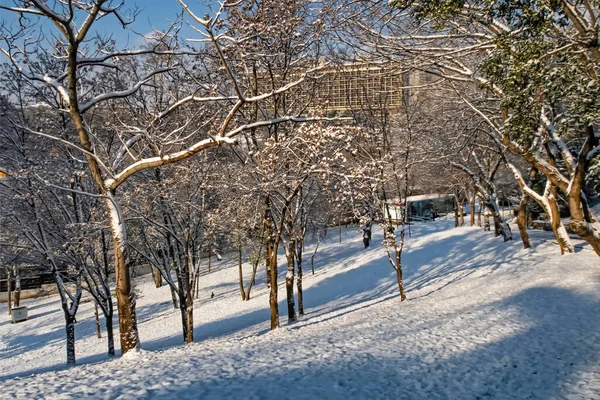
column 484, row 320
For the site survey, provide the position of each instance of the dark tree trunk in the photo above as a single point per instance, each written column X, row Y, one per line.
column 242, row 291
column 399, row 276
column 472, row 207
column 268, row 264
column 251, row 283
column 312, row 259
column 109, row 330
column 183, row 312
column 109, row 311
column 174, row 298
column 456, row 217
column 272, row 244
column 496, row 220
column 9, row 288
column 70, row 341
column 299, row 281
column 187, row 292
column 289, row 280
column 273, row 281
column 70, row 330
column 501, row 227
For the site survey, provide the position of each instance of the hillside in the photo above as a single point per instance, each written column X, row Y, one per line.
column 484, row 320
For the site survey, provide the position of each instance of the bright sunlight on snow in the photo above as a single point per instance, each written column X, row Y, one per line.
column 484, row 319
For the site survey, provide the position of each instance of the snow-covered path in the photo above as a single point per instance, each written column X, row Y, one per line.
column 485, row 320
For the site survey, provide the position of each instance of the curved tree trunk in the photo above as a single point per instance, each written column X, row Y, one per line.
column 583, row 222
column 562, row 236
column 253, row 278
column 501, row 227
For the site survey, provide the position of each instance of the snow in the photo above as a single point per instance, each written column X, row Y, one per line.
column 422, row 197
column 484, row 320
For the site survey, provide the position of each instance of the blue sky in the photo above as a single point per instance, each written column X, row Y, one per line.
column 154, row 14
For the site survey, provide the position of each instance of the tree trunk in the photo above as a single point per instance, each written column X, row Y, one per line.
column 9, row 288
column 190, row 319
column 273, row 281
column 486, row 222
column 472, row 207
column 479, row 215
column 196, row 287
column 582, row 220
column 242, row 291
column 268, row 264
column 562, row 236
column 17, row 287
column 399, row 275
column 97, row 318
column 70, row 328
column 183, row 313
column 125, row 296
column 187, row 291
column 157, row 277
column 271, row 261
column 289, row 279
column 456, row 216
column 109, row 330
column 522, row 221
column 496, row 219
column 312, row 258
column 500, row 226
column 253, row 278
column 174, row 298
column 299, row 281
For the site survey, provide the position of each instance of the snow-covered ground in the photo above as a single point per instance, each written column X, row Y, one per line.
column 484, row 320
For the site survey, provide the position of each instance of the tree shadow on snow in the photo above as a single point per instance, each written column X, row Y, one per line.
column 545, row 360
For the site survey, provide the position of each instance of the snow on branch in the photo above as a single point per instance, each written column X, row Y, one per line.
column 166, row 159
column 53, row 82
column 558, row 141
column 279, row 121
column 123, row 93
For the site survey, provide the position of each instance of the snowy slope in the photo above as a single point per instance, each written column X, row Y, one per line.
column 484, row 320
